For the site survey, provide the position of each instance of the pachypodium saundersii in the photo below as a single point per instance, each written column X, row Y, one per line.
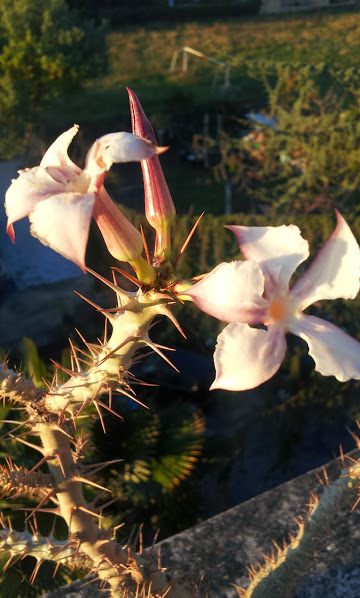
column 60, row 199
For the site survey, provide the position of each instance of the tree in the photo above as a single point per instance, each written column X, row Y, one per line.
column 45, row 50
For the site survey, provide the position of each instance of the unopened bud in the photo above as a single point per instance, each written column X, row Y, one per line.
column 159, row 207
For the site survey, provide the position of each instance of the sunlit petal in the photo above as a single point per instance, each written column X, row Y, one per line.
column 232, row 293
column 62, row 222
column 278, row 250
column 335, row 353
column 335, row 271
column 123, row 240
column 31, row 186
column 57, row 155
column 246, row 357
column 120, row 147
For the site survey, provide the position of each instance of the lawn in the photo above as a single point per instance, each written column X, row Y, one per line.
column 140, row 58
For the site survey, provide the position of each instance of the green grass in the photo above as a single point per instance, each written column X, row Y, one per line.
column 140, row 58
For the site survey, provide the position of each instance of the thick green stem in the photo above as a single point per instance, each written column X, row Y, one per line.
column 281, row 573
column 125, row 572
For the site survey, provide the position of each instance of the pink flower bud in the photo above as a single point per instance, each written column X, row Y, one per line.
column 159, row 207
column 123, row 240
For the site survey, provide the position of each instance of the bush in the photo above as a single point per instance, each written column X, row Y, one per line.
column 45, row 49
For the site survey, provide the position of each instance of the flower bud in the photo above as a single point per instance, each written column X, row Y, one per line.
column 159, row 207
column 122, row 239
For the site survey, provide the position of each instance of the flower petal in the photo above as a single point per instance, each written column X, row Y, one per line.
column 246, row 357
column 123, row 240
column 278, row 250
column 335, row 271
column 31, row 186
column 119, row 147
column 57, row 155
column 62, row 222
column 335, row 353
column 232, row 293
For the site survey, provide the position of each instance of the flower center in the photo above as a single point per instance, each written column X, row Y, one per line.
column 277, row 310
column 78, row 183
column 281, row 311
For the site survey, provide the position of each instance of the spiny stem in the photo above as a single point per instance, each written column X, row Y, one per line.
column 281, row 573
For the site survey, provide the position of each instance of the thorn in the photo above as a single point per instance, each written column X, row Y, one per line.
column 107, row 504
column 341, row 453
column 85, row 510
column 56, row 569
column 127, row 394
column 118, row 299
column 49, row 510
column 85, row 343
column 166, row 312
column 100, row 416
column 109, row 409
column 79, row 478
column 52, row 531
column 297, row 521
column 59, row 429
column 128, row 276
column 152, row 345
column 35, row 571
column 9, row 421
column 112, row 286
column 73, row 349
column 96, row 467
column 326, row 478
column 110, row 397
column 319, row 479
column 97, row 307
column 105, row 331
column 147, row 253
column 43, row 460
column 356, row 504
column 125, row 342
column 164, row 347
column 70, row 373
column 48, row 496
column 114, row 529
column 63, row 411
column 7, row 564
column 187, row 240
column 30, row 444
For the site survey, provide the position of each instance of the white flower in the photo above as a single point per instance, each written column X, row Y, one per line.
column 60, row 198
column 256, row 291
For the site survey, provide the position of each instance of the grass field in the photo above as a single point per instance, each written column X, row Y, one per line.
column 140, row 57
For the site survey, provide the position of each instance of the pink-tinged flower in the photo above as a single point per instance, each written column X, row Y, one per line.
column 256, row 291
column 60, row 198
column 159, row 207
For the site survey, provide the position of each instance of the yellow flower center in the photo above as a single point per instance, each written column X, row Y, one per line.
column 281, row 311
column 277, row 310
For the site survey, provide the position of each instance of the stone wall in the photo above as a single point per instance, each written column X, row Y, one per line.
column 214, row 554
